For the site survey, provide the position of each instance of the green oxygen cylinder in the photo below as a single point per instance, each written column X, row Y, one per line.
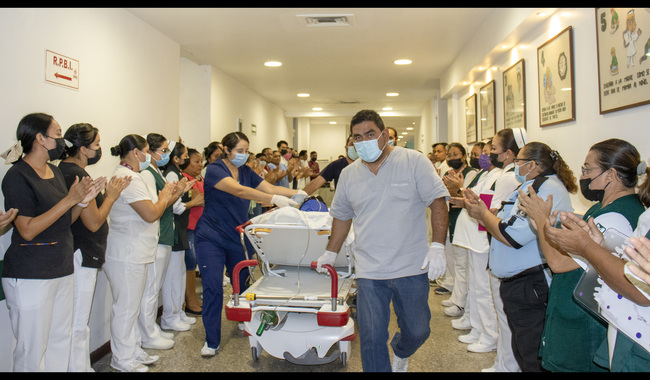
column 269, row 318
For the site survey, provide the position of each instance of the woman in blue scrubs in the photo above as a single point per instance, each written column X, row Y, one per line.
column 229, row 185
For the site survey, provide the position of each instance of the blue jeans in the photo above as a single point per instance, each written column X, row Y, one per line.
column 410, row 297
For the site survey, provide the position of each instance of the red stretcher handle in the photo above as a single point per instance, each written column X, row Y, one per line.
column 235, row 274
column 333, row 275
column 240, row 229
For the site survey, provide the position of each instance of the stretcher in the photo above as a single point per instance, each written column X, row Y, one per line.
column 293, row 312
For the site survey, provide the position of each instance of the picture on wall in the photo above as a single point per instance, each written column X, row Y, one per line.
column 555, row 79
column 623, row 57
column 488, row 110
column 514, row 96
column 470, row 119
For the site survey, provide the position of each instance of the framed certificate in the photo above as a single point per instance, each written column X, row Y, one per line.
column 470, row 119
column 514, row 96
column 488, row 110
column 555, row 79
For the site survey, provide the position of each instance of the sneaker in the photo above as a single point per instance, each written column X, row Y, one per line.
column 134, row 366
column 454, row 311
column 159, row 344
column 481, row 347
column 187, row 319
column 177, row 326
column 442, row 291
column 207, row 351
column 400, row 364
column 461, row 324
column 166, row 334
column 470, row 338
column 447, row 303
column 146, row 359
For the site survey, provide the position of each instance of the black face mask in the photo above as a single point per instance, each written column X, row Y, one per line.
column 589, row 194
column 283, row 152
column 473, row 162
column 58, row 150
column 313, row 159
column 494, row 160
column 456, row 163
column 98, row 155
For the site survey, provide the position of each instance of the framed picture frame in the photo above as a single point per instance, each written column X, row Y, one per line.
column 555, row 79
column 471, row 127
column 487, row 95
column 623, row 58
column 514, row 96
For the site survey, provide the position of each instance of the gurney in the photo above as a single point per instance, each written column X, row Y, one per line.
column 293, row 312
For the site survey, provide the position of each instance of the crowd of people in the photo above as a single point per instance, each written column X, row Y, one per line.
column 492, row 226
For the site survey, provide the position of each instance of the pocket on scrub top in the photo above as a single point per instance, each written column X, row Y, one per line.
column 400, row 190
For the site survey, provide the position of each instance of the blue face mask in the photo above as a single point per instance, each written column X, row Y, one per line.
column 352, row 153
column 368, row 150
column 240, row 159
column 164, row 159
column 147, row 161
column 391, row 143
column 520, row 178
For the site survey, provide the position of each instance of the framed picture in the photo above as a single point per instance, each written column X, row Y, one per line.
column 555, row 79
column 488, row 110
column 623, row 57
column 470, row 119
column 514, row 96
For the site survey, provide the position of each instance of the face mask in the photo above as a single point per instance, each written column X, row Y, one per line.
column 263, row 163
column 391, row 143
column 313, row 159
column 589, row 194
column 147, row 161
column 98, row 155
column 520, row 178
column 473, row 162
column 368, row 150
column 352, row 153
column 240, row 159
column 283, row 152
column 484, row 162
column 287, row 156
column 456, row 163
column 494, row 160
column 56, row 152
column 164, row 159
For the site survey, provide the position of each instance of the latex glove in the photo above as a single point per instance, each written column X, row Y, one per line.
column 299, row 197
column 326, row 258
column 282, row 201
column 436, row 261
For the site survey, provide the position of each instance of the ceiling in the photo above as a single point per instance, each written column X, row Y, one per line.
column 343, row 68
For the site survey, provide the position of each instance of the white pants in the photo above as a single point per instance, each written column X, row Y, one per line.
column 149, row 330
column 41, row 321
column 483, row 317
column 447, row 280
column 84, row 289
column 505, row 359
column 127, row 282
column 459, row 292
column 173, row 290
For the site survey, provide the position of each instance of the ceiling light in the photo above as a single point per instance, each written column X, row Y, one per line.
column 387, row 109
column 409, row 128
column 303, row 95
column 403, row 62
column 405, row 133
column 317, row 109
column 272, row 64
column 392, row 94
column 332, row 122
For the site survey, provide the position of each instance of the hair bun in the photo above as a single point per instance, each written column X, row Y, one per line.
column 554, row 155
column 116, row 151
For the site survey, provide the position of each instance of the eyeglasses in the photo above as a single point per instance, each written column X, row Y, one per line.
column 522, row 159
column 586, row 170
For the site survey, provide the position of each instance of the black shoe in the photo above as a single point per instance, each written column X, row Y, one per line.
column 193, row 312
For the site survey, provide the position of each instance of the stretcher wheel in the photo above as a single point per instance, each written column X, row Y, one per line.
column 255, row 354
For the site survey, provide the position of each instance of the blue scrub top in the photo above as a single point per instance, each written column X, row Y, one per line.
column 222, row 211
column 524, row 252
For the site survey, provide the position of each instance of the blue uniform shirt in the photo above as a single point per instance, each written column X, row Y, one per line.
column 515, row 226
column 222, row 211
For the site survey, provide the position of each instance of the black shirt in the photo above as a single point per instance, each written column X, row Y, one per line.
column 49, row 254
column 333, row 170
column 91, row 244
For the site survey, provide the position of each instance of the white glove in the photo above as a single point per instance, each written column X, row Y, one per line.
column 436, row 260
column 282, row 201
column 326, row 258
column 299, row 197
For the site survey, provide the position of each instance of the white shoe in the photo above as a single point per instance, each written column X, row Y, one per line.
column 134, row 366
column 470, row 338
column 400, row 364
column 166, row 334
column 146, row 359
column 159, row 344
column 491, row 369
column 177, row 326
column 454, row 311
column 461, row 324
column 447, row 303
column 207, row 351
column 188, row 320
column 481, row 347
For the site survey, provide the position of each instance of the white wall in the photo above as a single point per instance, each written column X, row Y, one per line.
column 571, row 139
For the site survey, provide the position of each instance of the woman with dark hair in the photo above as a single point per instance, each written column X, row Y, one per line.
column 572, row 336
column 151, row 334
column 230, row 185
column 211, row 153
column 131, row 247
column 515, row 256
column 37, row 276
column 89, row 232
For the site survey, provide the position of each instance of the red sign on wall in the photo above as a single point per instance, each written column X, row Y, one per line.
column 61, row 70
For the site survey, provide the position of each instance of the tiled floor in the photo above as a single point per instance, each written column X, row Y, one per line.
column 442, row 352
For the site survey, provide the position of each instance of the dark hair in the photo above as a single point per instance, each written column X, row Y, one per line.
column 176, row 152
column 508, row 140
column 230, row 141
column 31, row 125
column 444, row 145
column 192, row 151
column 549, row 160
column 459, row 146
column 480, row 144
column 303, row 152
column 155, row 140
column 211, row 148
column 127, row 144
column 367, row 115
column 280, row 143
column 80, row 134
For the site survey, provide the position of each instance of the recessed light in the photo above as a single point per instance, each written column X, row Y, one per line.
column 405, row 133
column 387, row 109
column 409, row 128
column 273, row 64
column 303, row 95
column 403, row 62
column 332, row 122
column 392, row 94
column 317, row 109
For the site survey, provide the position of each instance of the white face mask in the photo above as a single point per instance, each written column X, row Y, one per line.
column 369, row 150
